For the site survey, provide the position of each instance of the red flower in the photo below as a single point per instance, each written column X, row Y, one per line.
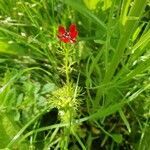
column 68, row 36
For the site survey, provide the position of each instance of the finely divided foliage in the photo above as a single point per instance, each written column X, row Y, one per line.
column 74, row 74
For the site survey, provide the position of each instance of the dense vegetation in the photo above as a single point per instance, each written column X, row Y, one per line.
column 90, row 93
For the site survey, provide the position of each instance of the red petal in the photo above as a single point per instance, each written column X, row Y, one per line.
column 73, row 34
column 66, row 40
column 61, row 30
column 72, row 28
column 63, row 39
column 73, row 31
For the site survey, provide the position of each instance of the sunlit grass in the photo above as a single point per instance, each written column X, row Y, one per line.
column 92, row 94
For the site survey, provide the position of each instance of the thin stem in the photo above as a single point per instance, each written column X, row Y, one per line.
column 67, row 65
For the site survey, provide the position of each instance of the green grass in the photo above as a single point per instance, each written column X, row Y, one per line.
column 93, row 94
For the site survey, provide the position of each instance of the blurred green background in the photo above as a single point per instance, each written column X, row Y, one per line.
column 105, row 105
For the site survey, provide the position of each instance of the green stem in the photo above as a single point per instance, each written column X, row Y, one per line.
column 67, row 65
